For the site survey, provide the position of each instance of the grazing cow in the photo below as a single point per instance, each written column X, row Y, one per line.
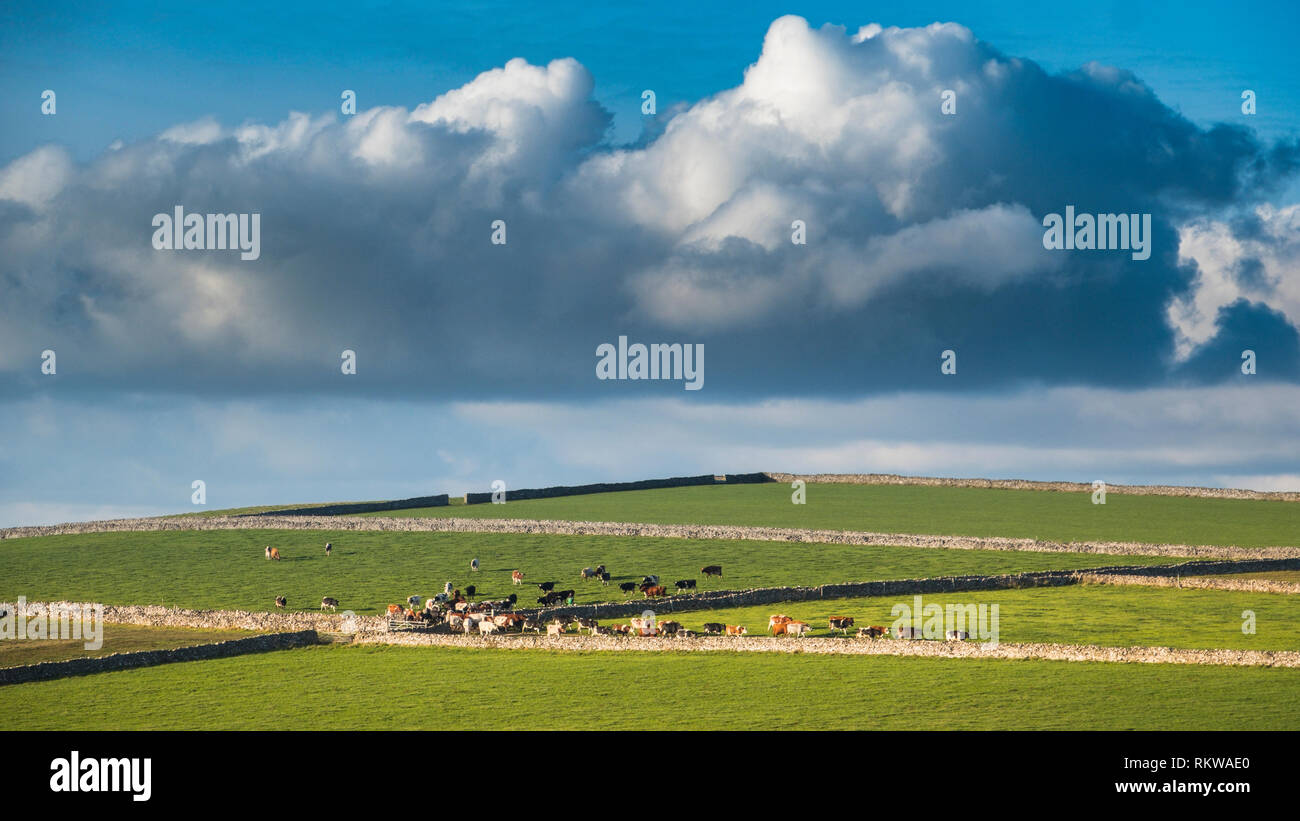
column 329, row 548
column 473, row 565
column 414, row 601
column 546, row 587
column 328, row 603
column 737, row 630
column 907, row 632
column 957, row 635
column 281, row 601
column 650, row 580
column 797, row 628
column 470, row 590
column 516, row 577
column 394, row 611
column 685, row 584
column 669, row 628
column 655, row 591
column 487, row 628
column 604, row 579
column 841, row 623
column 875, row 631
column 588, row 573
column 555, row 629
column 712, row 570
column 627, row 587
column 714, row 628
column 274, row 553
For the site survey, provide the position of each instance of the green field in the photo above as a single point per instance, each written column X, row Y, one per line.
column 1079, row 614
column 117, row 638
column 322, row 688
column 226, row 569
column 959, row 511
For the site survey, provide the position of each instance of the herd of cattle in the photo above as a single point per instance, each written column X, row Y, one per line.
column 461, row 614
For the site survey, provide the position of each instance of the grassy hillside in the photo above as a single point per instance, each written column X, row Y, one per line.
column 1080, row 614
column 424, row 688
column 914, row 509
column 227, row 569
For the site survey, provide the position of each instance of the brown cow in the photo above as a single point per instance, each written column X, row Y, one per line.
column 736, row 630
column 275, row 553
column 394, row 611
column 875, row 631
column 654, row 591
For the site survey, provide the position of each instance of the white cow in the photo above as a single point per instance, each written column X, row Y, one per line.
column 555, row 629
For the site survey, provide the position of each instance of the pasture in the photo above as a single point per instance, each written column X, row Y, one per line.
column 1106, row 615
column 226, row 569
column 118, row 638
column 389, row 688
column 958, row 511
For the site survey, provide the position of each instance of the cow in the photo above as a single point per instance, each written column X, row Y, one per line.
column 685, row 584
column 587, row 573
column 957, row 635
column 546, row 587
column 712, row 570
column 472, row 622
column 394, row 611
column 778, row 629
column 586, row 624
column 455, row 621
column 641, row 624
column 414, row 601
column 875, row 631
column 281, row 601
column 841, row 623
column 772, row 621
column 627, row 587
column 473, row 564
column 797, row 628
column 713, row 628
column 650, row 579
column 516, row 577
column 507, row 620
column 273, row 553
column 604, row 579
column 487, row 628
column 907, row 632
column 530, row 623
column 328, row 603
column 555, row 629
column 268, row 552
column 566, row 596
column 470, row 590
column 669, row 628
column 411, row 615
column 446, row 589
column 655, row 591
column 329, row 548
column 547, row 600
column 737, row 630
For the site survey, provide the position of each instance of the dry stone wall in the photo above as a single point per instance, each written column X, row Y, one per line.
column 560, row 527
column 850, row 646
column 612, row 487
column 149, row 658
column 1024, row 484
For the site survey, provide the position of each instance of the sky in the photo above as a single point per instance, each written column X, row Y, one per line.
column 923, row 232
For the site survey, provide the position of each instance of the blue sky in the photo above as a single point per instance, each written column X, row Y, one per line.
column 476, row 362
